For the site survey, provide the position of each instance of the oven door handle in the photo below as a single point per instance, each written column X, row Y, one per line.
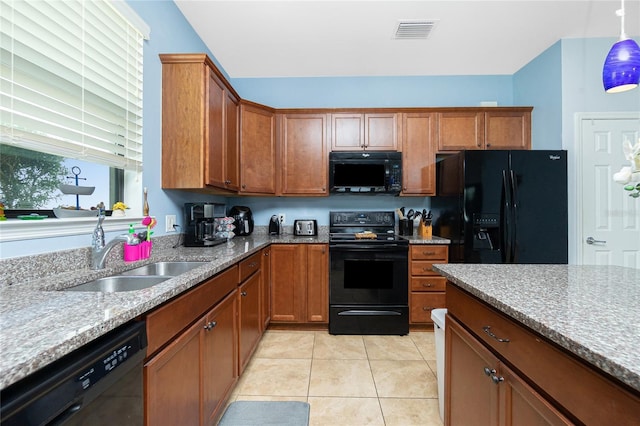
column 369, row 247
column 366, row 312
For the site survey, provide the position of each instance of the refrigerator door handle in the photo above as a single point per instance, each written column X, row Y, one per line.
column 514, row 213
column 505, row 213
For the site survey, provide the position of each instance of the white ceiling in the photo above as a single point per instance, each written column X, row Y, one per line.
column 315, row 38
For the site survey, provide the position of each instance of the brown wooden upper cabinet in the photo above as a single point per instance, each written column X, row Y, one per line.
column 257, row 149
column 499, row 128
column 418, row 153
column 303, row 153
column 199, row 125
column 367, row 131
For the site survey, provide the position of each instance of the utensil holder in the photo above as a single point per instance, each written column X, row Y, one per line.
column 405, row 227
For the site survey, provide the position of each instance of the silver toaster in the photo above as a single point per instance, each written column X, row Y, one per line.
column 305, row 227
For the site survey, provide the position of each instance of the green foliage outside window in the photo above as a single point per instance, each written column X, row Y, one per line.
column 29, row 179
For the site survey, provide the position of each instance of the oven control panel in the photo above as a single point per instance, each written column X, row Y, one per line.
column 381, row 218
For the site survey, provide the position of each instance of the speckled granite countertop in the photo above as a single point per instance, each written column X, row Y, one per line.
column 592, row 311
column 39, row 324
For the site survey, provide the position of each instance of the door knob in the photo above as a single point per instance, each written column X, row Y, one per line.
column 591, row 240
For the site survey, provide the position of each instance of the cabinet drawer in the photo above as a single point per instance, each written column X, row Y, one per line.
column 175, row 315
column 428, row 283
column 248, row 266
column 552, row 369
column 421, row 267
column 429, row 252
column 423, row 303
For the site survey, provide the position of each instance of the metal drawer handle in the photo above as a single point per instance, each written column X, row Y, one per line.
column 487, row 329
column 427, row 308
column 428, row 253
column 426, row 284
column 210, row 325
column 489, row 371
column 497, row 379
column 253, row 264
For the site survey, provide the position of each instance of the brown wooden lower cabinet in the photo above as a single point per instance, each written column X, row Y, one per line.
column 265, row 288
column 480, row 390
column 249, row 326
column 426, row 287
column 499, row 372
column 299, row 283
column 188, row 381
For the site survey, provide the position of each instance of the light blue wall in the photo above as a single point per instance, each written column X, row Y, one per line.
column 539, row 83
column 348, row 92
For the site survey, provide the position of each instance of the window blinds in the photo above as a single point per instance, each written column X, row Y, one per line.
column 71, row 80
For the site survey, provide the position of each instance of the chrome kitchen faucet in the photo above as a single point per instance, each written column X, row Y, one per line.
column 100, row 250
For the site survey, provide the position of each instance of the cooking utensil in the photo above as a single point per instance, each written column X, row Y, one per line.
column 400, row 213
column 410, row 214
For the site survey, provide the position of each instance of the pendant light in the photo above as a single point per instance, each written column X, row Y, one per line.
column 621, row 71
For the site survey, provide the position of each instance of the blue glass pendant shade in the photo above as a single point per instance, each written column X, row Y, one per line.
column 621, row 69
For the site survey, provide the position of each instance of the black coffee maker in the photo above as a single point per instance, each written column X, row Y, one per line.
column 200, row 224
column 243, row 220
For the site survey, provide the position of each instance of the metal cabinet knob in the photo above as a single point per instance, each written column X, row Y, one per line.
column 243, row 293
column 497, row 379
column 210, row 325
column 489, row 371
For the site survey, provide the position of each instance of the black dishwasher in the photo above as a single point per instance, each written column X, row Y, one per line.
column 99, row 383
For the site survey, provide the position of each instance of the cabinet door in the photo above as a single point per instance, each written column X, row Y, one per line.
column 471, row 398
column 265, row 308
column 257, row 150
column 288, row 283
column 172, row 381
column 231, row 143
column 219, row 358
column 303, row 153
column 347, row 131
column 381, row 132
column 184, row 91
column 418, row 154
column 250, row 323
column 507, row 130
column 522, row 405
column 215, row 125
column 317, row 283
column 460, row 130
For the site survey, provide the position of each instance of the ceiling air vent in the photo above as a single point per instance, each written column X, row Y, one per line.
column 414, row 29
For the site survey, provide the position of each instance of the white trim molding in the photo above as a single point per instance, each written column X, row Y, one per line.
column 16, row 230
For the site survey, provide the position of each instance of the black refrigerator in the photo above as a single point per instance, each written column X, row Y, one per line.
column 503, row 206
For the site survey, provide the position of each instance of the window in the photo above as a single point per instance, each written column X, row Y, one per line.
column 71, row 99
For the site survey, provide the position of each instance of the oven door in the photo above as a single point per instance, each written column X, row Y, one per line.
column 368, row 274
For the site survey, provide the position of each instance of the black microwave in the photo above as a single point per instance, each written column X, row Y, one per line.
column 365, row 172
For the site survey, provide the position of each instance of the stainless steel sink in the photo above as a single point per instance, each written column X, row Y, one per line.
column 120, row 283
column 168, row 269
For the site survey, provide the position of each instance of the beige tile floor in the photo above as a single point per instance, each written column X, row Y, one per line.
column 347, row 380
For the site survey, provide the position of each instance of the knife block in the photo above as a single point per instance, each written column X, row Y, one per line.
column 425, row 230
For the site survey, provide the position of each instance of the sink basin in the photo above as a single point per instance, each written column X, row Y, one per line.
column 119, row 283
column 167, row 269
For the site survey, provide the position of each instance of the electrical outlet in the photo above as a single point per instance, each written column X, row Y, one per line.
column 169, row 221
column 282, row 219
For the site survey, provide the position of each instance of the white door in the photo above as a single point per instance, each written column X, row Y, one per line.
column 610, row 217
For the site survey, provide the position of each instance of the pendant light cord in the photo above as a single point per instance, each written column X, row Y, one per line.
column 620, row 13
